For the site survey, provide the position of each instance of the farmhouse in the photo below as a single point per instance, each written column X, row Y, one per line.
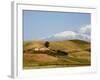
column 41, row 49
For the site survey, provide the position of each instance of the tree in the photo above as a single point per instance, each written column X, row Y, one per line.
column 46, row 44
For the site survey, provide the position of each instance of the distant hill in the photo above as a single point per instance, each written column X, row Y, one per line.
column 78, row 54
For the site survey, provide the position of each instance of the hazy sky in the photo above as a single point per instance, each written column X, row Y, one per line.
column 40, row 24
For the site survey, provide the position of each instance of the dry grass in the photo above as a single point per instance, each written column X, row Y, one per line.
column 78, row 54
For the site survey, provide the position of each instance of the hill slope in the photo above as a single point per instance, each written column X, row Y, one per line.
column 77, row 53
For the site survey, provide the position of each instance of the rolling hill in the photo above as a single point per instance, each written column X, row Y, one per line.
column 64, row 53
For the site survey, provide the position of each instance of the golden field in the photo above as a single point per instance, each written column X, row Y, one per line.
column 66, row 53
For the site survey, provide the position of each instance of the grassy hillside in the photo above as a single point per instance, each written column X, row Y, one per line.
column 67, row 53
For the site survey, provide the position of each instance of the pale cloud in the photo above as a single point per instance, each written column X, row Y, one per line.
column 85, row 29
column 85, row 32
column 82, row 34
column 85, row 37
column 66, row 34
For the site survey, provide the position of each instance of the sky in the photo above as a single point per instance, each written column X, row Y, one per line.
column 41, row 24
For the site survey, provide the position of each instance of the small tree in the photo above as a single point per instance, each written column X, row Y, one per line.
column 46, row 44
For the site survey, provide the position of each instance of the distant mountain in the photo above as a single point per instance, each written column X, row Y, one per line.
column 68, row 35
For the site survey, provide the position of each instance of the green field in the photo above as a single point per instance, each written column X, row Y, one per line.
column 66, row 53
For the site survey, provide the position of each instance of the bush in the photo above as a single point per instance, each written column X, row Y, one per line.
column 62, row 52
column 46, row 44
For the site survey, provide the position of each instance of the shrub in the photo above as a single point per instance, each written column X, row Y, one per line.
column 46, row 44
column 62, row 52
